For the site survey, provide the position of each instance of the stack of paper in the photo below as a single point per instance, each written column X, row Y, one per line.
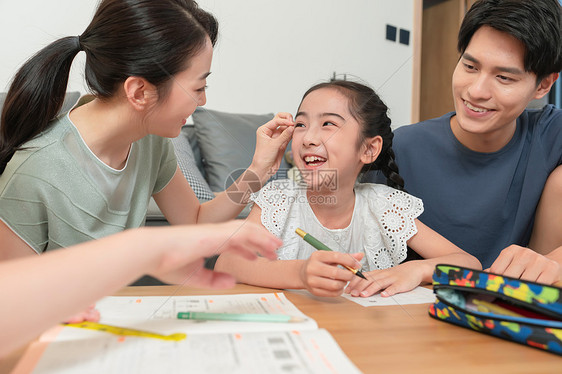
column 210, row 346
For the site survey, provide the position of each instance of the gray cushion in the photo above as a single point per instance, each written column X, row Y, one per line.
column 188, row 165
column 227, row 142
column 189, row 132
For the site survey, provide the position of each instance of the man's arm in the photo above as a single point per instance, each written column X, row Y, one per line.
column 542, row 261
column 547, row 232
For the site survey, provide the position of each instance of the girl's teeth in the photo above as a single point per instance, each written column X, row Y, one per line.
column 314, row 158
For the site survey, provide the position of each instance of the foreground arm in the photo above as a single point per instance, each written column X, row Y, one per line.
column 319, row 274
column 44, row 290
column 179, row 204
column 434, row 248
column 542, row 261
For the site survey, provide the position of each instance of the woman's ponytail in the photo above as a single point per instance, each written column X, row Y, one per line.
column 36, row 95
column 125, row 38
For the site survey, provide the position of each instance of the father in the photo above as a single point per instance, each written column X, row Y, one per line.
column 489, row 173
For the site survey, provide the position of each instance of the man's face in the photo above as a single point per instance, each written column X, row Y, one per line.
column 491, row 89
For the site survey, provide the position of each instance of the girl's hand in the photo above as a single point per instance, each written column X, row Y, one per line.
column 321, row 275
column 272, row 140
column 186, row 247
column 401, row 278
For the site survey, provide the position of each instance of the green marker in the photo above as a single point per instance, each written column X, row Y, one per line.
column 243, row 317
column 323, row 247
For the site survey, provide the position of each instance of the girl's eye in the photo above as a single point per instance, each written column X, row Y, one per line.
column 329, row 124
column 203, row 89
column 299, row 124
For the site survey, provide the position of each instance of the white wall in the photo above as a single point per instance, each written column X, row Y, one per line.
column 269, row 51
column 29, row 25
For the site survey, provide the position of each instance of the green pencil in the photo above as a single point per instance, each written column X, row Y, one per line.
column 323, row 247
column 244, row 317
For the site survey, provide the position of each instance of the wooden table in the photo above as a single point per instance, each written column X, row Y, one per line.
column 398, row 339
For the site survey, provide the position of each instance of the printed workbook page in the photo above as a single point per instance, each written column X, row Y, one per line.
column 159, row 313
column 209, row 346
column 313, row 351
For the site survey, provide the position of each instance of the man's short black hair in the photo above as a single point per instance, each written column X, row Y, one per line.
column 536, row 23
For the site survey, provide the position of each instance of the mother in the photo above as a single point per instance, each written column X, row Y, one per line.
column 90, row 173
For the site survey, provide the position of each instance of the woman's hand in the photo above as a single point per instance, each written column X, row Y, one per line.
column 90, row 314
column 272, row 140
column 186, row 247
column 401, row 278
column 321, row 275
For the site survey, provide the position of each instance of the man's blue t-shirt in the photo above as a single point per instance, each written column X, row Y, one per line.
column 482, row 202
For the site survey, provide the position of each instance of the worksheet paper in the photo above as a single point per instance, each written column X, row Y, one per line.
column 280, row 352
column 159, row 313
column 419, row 295
column 210, row 346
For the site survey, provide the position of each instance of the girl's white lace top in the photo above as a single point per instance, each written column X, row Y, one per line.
column 382, row 222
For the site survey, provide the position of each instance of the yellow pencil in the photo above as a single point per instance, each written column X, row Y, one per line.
column 124, row 331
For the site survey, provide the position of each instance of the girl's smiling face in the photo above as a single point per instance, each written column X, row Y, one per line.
column 326, row 141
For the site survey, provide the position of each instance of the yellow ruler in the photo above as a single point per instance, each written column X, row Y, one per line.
column 124, row 331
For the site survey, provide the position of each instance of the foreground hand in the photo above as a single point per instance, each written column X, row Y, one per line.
column 520, row 262
column 401, row 278
column 187, row 246
column 321, row 275
column 90, row 314
column 271, row 142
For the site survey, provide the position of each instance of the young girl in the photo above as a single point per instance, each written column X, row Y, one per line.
column 91, row 172
column 341, row 130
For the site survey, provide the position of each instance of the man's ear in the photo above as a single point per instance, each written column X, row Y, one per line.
column 140, row 93
column 372, row 149
column 545, row 85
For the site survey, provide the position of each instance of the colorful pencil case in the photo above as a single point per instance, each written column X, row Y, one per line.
column 524, row 312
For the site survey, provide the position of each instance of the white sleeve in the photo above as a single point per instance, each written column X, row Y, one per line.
column 275, row 200
column 391, row 218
